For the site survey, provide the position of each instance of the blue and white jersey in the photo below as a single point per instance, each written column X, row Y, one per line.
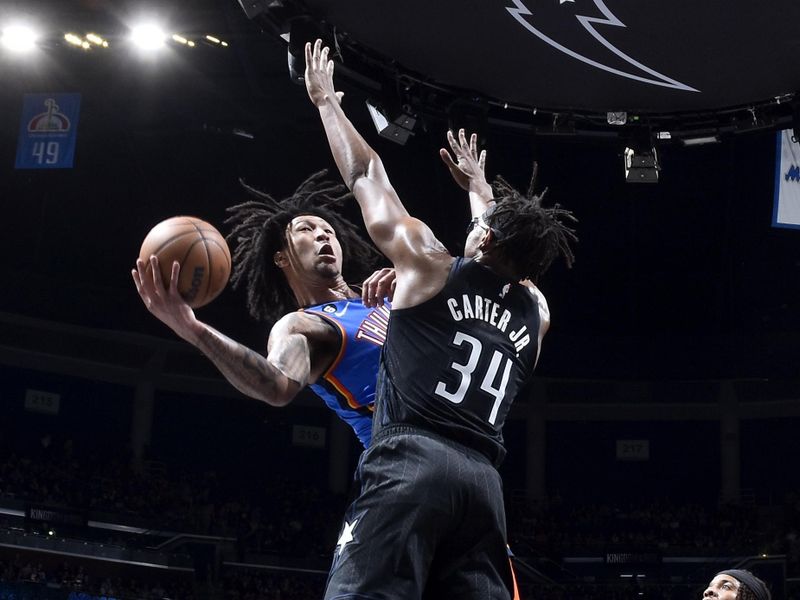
column 348, row 386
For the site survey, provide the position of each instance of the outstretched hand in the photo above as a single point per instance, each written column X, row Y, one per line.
column 379, row 286
column 166, row 304
column 468, row 167
column 319, row 74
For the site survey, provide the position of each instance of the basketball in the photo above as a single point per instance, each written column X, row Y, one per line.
column 201, row 251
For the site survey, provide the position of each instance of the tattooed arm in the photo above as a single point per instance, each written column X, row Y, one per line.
column 300, row 347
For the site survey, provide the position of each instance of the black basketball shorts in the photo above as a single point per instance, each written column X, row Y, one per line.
column 428, row 523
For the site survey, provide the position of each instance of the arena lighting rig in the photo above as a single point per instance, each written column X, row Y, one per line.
column 22, row 38
column 589, row 71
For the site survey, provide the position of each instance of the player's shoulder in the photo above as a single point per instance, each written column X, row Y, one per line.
column 309, row 324
column 531, row 288
column 538, row 295
column 418, row 243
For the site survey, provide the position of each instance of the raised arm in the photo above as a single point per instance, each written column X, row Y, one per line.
column 467, row 167
column 468, row 170
column 275, row 379
column 403, row 239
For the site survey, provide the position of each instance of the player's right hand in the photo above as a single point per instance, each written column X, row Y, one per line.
column 379, row 286
column 468, row 168
column 166, row 304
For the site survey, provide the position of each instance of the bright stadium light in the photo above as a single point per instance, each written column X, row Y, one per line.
column 215, row 40
column 148, row 36
column 95, row 39
column 18, row 38
column 73, row 39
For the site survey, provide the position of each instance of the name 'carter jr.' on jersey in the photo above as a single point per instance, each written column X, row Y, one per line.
column 479, row 337
column 472, row 306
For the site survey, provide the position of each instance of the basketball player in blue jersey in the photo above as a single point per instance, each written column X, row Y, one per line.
column 464, row 337
column 292, row 254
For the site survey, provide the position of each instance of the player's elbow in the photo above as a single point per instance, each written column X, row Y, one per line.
column 282, row 401
column 273, row 392
column 276, row 399
column 383, row 233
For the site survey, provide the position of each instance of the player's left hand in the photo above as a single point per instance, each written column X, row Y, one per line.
column 378, row 286
column 319, row 74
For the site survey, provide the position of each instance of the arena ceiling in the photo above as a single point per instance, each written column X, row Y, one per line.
column 680, row 65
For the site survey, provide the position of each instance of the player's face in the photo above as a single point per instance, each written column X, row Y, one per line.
column 312, row 247
column 722, row 587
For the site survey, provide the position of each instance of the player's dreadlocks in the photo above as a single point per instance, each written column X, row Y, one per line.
column 745, row 593
column 258, row 231
column 529, row 235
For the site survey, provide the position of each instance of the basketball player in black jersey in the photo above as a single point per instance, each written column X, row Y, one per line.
column 464, row 337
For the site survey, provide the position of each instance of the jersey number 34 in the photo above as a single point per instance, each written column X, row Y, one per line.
column 466, row 371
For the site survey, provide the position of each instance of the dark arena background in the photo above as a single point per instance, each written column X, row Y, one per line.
column 659, row 443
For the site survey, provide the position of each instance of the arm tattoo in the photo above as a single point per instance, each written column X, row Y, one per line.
column 245, row 369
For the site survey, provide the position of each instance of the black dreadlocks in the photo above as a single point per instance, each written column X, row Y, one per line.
column 258, row 231
column 528, row 235
column 745, row 593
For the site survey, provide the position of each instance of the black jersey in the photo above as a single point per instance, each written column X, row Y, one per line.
column 453, row 364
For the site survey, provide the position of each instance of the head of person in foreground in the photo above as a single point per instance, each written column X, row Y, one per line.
column 737, row 584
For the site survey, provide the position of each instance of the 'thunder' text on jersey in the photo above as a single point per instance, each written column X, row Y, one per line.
column 348, row 386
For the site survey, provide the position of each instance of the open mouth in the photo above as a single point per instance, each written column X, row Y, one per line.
column 325, row 250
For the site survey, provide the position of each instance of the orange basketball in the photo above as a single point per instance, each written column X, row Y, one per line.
column 200, row 249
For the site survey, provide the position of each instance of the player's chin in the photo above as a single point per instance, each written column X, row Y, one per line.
column 328, row 269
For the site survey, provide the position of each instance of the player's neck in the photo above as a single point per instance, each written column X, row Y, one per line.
column 312, row 293
column 499, row 266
